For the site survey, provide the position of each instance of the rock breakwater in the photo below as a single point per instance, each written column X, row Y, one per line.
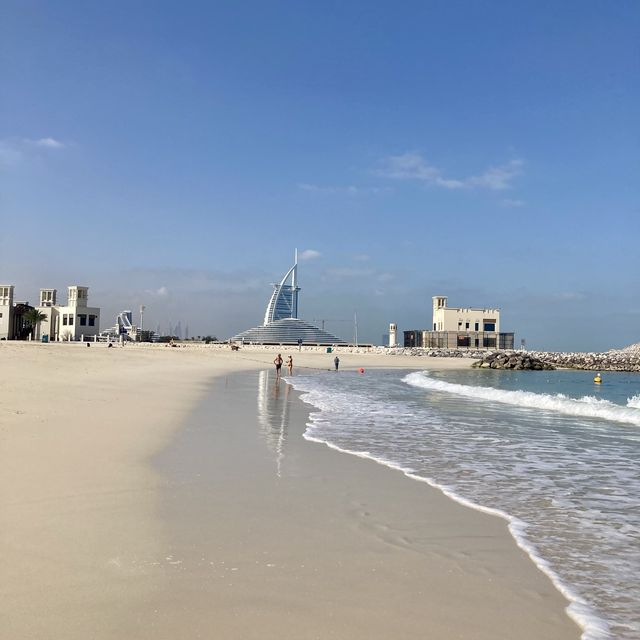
column 627, row 359
column 615, row 360
column 516, row 360
column 433, row 353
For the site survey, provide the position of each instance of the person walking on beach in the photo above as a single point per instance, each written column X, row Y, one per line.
column 278, row 363
column 290, row 365
column 336, row 362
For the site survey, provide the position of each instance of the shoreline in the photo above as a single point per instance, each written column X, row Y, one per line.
column 106, row 510
column 411, row 528
column 577, row 610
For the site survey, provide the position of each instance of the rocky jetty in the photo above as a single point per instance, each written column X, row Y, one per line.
column 433, row 353
column 516, row 360
column 615, row 360
column 632, row 350
column 627, row 359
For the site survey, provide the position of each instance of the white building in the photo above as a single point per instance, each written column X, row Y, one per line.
column 77, row 320
column 6, row 311
column 464, row 318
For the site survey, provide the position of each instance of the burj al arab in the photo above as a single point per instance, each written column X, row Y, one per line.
column 281, row 324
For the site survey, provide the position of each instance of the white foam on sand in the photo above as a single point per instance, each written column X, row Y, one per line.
column 593, row 626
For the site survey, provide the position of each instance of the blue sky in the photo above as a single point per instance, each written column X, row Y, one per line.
column 174, row 155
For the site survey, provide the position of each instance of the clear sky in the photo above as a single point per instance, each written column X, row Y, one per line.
column 174, row 154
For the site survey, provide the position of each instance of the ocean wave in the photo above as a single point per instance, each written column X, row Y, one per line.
column 585, row 407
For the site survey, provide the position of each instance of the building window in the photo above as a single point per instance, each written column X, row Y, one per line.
column 92, row 321
column 463, row 341
column 64, row 319
column 489, row 326
column 477, row 325
column 71, row 319
column 466, row 326
column 83, row 319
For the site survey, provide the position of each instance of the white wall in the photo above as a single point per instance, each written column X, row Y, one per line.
column 76, row 330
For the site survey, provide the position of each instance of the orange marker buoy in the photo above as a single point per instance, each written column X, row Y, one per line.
column 361, row 370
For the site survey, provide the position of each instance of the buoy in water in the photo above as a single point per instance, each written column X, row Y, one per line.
column 598, row 379
column 361, row 370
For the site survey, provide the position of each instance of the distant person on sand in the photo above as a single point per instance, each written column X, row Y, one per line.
column 278, row 363
column 290, row 365
column 336, row 361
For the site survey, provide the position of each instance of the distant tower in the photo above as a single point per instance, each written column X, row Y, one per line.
column 48, row 297
column 439, row 306
column 142, row 308
column 439, row 302
column 393, row 334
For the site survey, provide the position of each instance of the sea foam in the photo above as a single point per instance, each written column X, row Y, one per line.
column 585, row 407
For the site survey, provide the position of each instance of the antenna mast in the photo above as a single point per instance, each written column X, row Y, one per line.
column 294, row 286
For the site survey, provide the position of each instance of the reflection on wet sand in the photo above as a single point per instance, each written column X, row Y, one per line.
column 273, row 414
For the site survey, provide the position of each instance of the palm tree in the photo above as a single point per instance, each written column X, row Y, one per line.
column 34, row 317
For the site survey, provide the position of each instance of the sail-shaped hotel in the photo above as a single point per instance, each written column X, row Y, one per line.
column 281, row 323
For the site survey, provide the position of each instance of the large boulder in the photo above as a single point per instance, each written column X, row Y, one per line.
column 514, row 360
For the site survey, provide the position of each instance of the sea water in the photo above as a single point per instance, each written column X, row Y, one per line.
column 550, row 451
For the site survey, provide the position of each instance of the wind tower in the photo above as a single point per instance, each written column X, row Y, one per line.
column 48, row 297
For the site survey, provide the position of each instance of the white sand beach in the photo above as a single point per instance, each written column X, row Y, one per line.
column 138, row 499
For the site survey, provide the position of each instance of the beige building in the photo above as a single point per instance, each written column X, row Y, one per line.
column 463, row 318
column 460, row 328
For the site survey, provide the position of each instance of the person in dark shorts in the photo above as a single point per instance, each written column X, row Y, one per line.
column 336, row 362
column 278, row 363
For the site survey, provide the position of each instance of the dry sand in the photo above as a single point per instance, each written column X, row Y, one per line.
column 144, row 495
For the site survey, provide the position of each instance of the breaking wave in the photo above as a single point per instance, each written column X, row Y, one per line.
column 585, row 407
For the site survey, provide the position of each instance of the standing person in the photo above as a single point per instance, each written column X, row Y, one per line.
column 290, row 365
column 336, row 361
column 278, row 363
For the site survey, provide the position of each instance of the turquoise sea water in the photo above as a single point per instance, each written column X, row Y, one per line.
column 550, row 451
